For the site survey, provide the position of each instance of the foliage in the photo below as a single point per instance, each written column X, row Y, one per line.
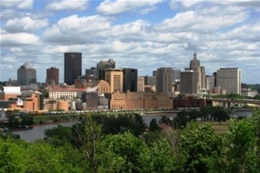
column 181, row 120
column 129, row 148
column 230, row 96
column 197, row 147
column 27, row 120
column 153, row 136
column 239, row 153
column 115, row 124
column 166, row 120
column 219, row 114
column 59, row 135
column 153, row 126
column 110, row 144
column 16, row 121
column 13, row 122
column 45, row 93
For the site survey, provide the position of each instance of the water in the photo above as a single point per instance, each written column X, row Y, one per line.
column 38, row 131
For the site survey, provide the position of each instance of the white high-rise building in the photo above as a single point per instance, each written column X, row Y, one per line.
column 230, row 79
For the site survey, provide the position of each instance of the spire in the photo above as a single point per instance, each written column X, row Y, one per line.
column 195, row 55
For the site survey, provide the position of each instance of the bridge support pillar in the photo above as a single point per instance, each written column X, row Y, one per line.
column 228, row 105
column 225, row 105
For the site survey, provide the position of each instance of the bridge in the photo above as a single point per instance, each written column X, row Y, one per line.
column 226, row 101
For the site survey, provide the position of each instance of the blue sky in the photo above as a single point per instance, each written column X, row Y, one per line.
column 144, row 34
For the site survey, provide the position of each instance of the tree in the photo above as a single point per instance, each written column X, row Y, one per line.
column 132, row 150
column 219, row 114
column 197, row 147
column 181, row 120
column 154, row 125
column 239, row 153
column 115, row 124
column 9, row 154
column 13, row 121
column 45, row 93
column 59, row 135
column 166, row 120
column 42, row 157
column 27, row 120
column 153, row 136
column 161, row 155
column 193, row 115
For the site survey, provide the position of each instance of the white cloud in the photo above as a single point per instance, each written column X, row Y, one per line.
column 148, row 9
column 244, row 33
column 120, row 6
column 8, row 39
column 68, row 5
column 194, row 21
column 25, row 24
column 224, row 35
column 20, row 4
column 9, row 59
column 190, row 3
column 6, row 13
column 75, row 29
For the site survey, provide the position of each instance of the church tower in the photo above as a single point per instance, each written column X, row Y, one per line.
column 195, row 66
column 194, row 63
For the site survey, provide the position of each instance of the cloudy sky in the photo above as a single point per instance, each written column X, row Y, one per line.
column 145, row 34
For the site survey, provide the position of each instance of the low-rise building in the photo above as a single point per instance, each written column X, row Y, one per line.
column 248, row 92
column 139, row 100
column 56, row 92
column 13, row 98
column 189, row 102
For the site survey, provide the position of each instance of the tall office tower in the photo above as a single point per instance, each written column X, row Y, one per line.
column 176, row 74
column 164, row 80
column 230, row 79
column 102, row 66
column 115, row 79
column 91, row 72
column 72, row 66
column 26, row 74
column 210, row 80
column 52, row 76
column 140, row 84
column 195, row 66
column 154, row 73
column 130, row 79
column 189, row 82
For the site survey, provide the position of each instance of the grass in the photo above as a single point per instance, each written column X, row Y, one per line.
column 219, row 128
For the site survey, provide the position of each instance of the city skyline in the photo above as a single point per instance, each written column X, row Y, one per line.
column 145, row 35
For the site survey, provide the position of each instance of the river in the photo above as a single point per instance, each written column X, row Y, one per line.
column 38, row 131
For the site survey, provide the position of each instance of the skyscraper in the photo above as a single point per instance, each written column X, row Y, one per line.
column 130, row 79
column 140, row 84
column 164, row 80
column 52, row 76
column 26, row 74
column 176, row 74
column 189, row 82
column 195, row 66
column 115, row 79
column 102, row 66
column 229, row 79
column 72, row 66
column 91, row 72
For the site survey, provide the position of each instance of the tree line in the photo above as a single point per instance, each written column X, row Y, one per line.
column 124, row 144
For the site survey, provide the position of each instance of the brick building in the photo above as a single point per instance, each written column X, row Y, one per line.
column 139, row 100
